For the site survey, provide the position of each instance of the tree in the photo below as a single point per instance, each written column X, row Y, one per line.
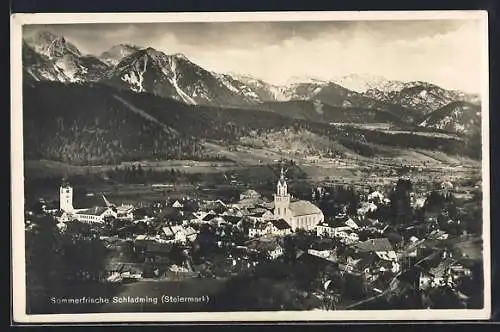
column 400, row 206
column 44, row 264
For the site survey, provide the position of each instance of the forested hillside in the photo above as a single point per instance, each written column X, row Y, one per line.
column 78, row 124
column 98, row 124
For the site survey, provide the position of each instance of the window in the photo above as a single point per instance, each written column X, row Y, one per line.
column 278, row 210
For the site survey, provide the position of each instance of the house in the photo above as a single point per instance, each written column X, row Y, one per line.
column 260, row 215
column 276, row 252
column 208, row 217
column 351, row 223
column 125, row 212
column 250, row 193
column 278, row 227
column 149, row 249
column 233, row 211
column 255, row 215
column 375, row 197
column 438, row 235
column 233, row 220
column 329, row 255
column 437, row 273
column 95, row 214
column 168, row 233
column 458, row 270
column 184, row 234
column 418, row 202
column 257, row 229
column 190, row 218
column 143, row 213
column 177, row 205
column 341, row 227
column 269, row 248
column 179, row 233
column 50, row 208
column 216, row 206
column 429, row 280
column 380, row 246
column 446, row 185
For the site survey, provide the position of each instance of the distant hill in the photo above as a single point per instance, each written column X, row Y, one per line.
column 457, row 117
column 321, row 112
column 421, row 96
column 95, row 123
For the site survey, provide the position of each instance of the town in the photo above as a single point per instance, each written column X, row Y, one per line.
column 337, row 249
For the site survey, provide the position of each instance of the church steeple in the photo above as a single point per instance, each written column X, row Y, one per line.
column 281, row 198
column 281, row 188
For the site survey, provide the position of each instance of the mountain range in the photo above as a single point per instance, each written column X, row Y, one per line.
column 50, row 58
column 175, row 76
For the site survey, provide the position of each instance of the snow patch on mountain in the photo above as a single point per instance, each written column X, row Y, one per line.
column 362, row 82
column 136, row 77
column 185, row 97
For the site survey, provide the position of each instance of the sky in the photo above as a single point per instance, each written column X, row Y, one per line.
column 443, row 52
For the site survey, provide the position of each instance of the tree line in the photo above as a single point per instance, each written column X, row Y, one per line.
column 86, row 124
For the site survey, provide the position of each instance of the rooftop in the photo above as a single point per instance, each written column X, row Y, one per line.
column 250, row 193
column 380, row 244
column 280, row 224
column 302, row 208
column 95, row 211
column 232, row 219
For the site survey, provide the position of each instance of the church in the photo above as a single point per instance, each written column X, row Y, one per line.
column 299, row 214
column 90, row 215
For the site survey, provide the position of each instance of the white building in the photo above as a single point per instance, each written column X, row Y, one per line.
column 178, row 205
column 344, row 228
column 375, row 196
column 95, row 214
column 298, row 214
column 257, row 229
column 91, row 215
column 278, row 227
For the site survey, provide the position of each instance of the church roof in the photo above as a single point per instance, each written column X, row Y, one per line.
column 96, row 211
column 302, row 208
column 380, row 244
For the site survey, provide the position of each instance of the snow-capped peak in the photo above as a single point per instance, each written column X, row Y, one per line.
column 52, row 45
column 181, row 56
column 363, row 82
column 304, row 79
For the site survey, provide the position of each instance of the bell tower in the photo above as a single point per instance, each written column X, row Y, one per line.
column 66, row 197
column 281, row 198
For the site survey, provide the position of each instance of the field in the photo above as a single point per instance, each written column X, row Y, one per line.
column 248, row 165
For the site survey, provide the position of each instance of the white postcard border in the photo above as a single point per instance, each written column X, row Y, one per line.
column 17, row 188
